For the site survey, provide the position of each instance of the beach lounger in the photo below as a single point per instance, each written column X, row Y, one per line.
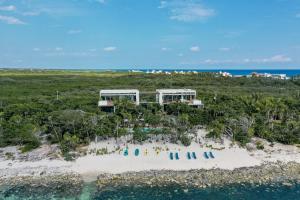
column 177, row 156
column 194, row 155
column 211, row 155
column 206, row 155
column 146, row 152
column 171, row 156
column 189, row 155
column 126, row 152
column 136, row 152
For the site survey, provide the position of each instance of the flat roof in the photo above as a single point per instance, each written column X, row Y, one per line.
column 175, row 90
column 119, row 91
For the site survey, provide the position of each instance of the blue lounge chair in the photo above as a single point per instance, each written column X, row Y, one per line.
column 136, row 152
column 177, row 156
column 194, row 155
column 211, row 155
column 126, row 152
column 171, row 156
column 206, row 155
column 189, row 155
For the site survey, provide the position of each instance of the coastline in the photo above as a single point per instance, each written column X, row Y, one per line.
column 270, row 173
column 229, row 159
column 72, row 184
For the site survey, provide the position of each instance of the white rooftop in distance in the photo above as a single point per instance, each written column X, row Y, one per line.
column 119, row 91
column 175, row 90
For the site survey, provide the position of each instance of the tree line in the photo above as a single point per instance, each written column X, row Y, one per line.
column 31, row 113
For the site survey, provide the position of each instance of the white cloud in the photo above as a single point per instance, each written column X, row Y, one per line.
column 274, row 59
column 224, row 49
column 72, row 32
column 58, row 49
column 298, row 15
column 233, row 34
column 212, row 61
column 195, row 49
column 101, row 1
column 36, row 49
column 180, row 54
column 110, row 48
column 31, row 13
column 8, row 8
column 54, row 9
column 165, row 49
column 70, row 54
column 246, row 60
column 162, row 4
column 98, row 1
column 11, row 20
column 187, row 11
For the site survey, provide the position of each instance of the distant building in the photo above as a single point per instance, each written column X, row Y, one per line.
column 280, row 76
column 238, row 76
column 107, row 97
column 225, row 74
column 135, row 71
column 261, row 75
column 167, row 96
column 268, row 75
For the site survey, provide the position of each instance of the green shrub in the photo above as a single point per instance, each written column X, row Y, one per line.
column 30, row 146
column 185, row 140
column 259, row 145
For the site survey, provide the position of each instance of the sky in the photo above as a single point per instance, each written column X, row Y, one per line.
column 141, row 34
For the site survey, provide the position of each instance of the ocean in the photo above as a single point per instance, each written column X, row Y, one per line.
column 175, row 192
column 288, row 72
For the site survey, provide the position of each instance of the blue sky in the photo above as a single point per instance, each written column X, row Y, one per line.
column 105, row 34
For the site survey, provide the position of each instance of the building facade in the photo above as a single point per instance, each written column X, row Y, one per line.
column 107, row 97
column 167, row 96
column 163, row 97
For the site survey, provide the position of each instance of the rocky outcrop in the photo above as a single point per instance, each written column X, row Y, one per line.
column 67, row 185
column 265, row 174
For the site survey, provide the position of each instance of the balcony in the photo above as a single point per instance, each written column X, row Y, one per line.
column 105, row 103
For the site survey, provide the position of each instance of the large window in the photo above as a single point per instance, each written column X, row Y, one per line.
column 177, row 97
column 128, row 97
column 167, row 98
column 171, row 98
column 111, row 98
column 107, row 98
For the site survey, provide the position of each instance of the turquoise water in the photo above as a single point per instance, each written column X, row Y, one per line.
column 176, row 192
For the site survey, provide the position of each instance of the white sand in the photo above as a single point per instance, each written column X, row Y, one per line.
column 91, row 165
column 228, row 158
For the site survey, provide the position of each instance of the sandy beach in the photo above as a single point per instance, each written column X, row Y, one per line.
column 153, row 156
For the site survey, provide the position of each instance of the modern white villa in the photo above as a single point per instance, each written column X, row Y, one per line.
column 108, row 96
column 188, row 96
column 163, row 97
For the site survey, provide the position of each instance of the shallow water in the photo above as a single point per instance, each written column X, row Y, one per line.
column 229, row 192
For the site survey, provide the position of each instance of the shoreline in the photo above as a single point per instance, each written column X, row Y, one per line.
column 270, row 173
column 285, row 174
column 153, row 156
